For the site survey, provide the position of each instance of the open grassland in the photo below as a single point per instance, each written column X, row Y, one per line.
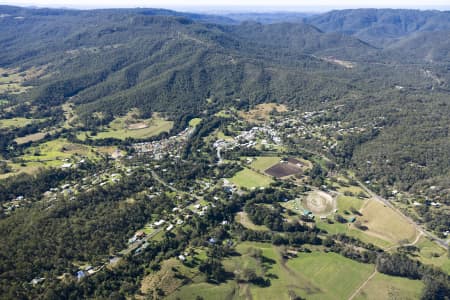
column 389, row 287
column 344, row 203
column 56, row 150
column 30, row 138
column 350, row 230
column 368, row 237
column 250, row 179
column 51, row 154
column 334, row 228
column 242, row 217
column 123, row 127
column 430, row 253
column 222, row 136
column 355, row 190
column 207, row 291
column 386, row 227
column 194, row 122
column 385, row 223
column 16, row 122
column 262, row 163
column 262, row 112
column 335, row 276
column 28, row 168
column 315, row 275
column 168, row 278
column 11, row 80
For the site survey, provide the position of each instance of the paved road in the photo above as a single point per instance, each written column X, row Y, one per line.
column 420, row 229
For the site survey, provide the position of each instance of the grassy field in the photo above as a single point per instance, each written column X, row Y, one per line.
column 50, row 154
column 53, row 153
column 346, row 202
column 12, row 81
column 122, row 128
column 242, row 217
column 335, row 276
column 15, row 122
column 430, row 253
column 250, row 179
column 194, row 122
column 388, row 287
column 222, row 136
column 3, row 101
column 350, row 230
column 385, row 227
column 207, row 291
column 55, row 150
column 352, row 189
column 166, row 278
column 262, row 163
column 315, row 275
column 262, row 112
column 29, row 168
column 30, row 138
column 366, row 237
column 385, row 223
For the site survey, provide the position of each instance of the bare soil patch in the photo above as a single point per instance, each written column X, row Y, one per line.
column 135, row 126
column 283, row 169
column 261, row 112
column 320, row 203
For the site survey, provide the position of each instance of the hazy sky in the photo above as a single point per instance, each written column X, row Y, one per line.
column 289, row 4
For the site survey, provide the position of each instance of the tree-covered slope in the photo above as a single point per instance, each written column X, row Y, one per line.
column 381, row 26
column 108, row 62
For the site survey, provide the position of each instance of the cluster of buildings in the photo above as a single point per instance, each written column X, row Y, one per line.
column 266, row 133
column 158, row 149
column 10, row 206
column 247, row 139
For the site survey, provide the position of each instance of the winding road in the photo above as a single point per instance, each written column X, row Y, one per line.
column 443, row 243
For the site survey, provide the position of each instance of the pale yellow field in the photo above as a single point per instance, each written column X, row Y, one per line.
column 385, row 223
column 262, row 112
column 242, row 218
column 389, row 287
column 30, row 138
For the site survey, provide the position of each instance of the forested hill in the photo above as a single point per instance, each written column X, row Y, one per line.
column 381, row 26
column 108, row 62
column 111, row 60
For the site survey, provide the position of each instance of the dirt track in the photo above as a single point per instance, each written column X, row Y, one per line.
column 320, row 203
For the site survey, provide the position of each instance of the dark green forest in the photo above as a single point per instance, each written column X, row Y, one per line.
column 388, row 68
column 110, row 61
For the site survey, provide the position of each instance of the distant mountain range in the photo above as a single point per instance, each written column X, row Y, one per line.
column 381, row 26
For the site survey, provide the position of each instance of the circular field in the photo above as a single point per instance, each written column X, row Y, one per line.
column 319, row 203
